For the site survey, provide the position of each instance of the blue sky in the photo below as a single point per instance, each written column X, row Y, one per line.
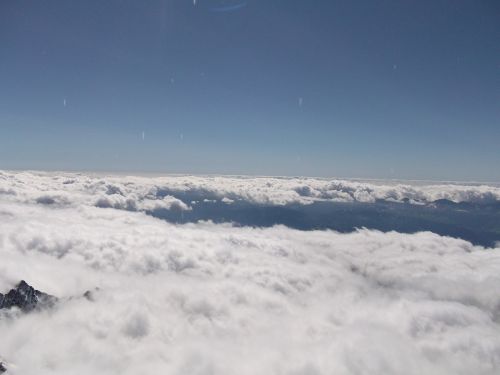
column 373, row 89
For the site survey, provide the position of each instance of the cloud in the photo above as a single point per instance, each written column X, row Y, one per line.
column 166, row 203
column 146, row 193
column 80, row 190
column 227, row 200
column 205, row 298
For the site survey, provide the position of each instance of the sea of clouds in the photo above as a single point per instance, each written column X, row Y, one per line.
column 149, row 193
column 204, row 298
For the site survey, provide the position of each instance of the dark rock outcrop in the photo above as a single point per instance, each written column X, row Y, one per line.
column 26, row 298
column 2, row 368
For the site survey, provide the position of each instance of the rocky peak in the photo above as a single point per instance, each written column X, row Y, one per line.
column 26, row 298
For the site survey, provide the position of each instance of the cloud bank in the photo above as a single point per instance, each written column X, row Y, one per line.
column 179, row 192
column 210, row 298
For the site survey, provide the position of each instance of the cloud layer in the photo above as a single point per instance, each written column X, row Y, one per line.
column 215, row 299
column 178, row 192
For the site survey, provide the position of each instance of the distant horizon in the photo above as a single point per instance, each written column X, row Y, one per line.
column 180, row 174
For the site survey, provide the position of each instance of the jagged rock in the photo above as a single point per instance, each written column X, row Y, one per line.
column 26, row 298
column 2, row 368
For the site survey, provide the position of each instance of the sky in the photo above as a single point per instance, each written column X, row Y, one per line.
column 369, row 89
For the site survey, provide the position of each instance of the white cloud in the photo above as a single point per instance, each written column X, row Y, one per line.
column 215, row 299
column 142, row 193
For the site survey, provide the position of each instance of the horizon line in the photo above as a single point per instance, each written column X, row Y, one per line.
column 133, row 173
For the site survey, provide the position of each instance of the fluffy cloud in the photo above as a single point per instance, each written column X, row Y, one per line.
column 215, row 299
column 149, row 193
column 79, row 190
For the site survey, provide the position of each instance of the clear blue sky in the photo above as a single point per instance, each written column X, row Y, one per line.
column 375, row 89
